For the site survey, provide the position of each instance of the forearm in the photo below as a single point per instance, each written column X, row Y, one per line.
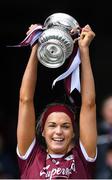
column 87, row 80
column 30, row 76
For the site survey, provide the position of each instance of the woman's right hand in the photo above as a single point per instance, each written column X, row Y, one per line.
column 31, row 28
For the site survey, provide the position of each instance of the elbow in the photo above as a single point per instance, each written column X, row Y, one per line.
column 25, row 98
column 90, row 103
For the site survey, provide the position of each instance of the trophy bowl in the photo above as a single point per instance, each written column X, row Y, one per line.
column 56, row 42
column 61, row 19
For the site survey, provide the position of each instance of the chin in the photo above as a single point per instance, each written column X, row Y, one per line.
column 59, row 150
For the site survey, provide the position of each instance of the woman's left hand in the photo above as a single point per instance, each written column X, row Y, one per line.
column 86, row 36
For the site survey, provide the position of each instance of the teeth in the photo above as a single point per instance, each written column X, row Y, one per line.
column 58, row 139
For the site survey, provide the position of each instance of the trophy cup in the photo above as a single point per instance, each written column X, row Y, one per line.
column 56, row 42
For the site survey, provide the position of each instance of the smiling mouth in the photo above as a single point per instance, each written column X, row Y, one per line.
column 58, row 139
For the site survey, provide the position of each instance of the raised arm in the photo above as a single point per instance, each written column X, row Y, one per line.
column 26, row 114
column 88, row 132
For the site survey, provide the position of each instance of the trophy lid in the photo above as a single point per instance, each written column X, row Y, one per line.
column 61, row 19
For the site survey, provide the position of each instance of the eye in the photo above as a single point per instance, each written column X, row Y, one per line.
column 65, row 126
column 52, row 125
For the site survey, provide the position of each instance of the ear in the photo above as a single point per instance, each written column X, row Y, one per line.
column 43, row 134
column 73, row 135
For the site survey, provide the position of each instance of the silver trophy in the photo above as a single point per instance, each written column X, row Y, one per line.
column 56, row 42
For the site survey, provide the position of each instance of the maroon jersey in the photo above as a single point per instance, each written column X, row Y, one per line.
column 39, row 165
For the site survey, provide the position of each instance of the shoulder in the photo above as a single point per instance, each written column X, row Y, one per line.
column 80, row 152
column 34, row 149
column 34, row 153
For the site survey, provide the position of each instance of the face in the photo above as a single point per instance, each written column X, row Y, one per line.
column 58, row 133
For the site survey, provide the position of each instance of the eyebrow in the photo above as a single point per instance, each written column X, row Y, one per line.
column 62, row 123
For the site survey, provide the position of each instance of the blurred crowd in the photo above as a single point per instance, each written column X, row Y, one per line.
column 104, row 124
column 8, row 159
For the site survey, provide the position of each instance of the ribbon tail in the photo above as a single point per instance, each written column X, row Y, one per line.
column 75, row 80
column 72, row 68
column 30, row 38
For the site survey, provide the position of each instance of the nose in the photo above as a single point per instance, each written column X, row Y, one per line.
column 58, row 130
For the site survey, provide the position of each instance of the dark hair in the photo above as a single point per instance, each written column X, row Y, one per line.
column 41, row 139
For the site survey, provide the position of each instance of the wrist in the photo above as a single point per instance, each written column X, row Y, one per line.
column 34, row 48
column 84, row 49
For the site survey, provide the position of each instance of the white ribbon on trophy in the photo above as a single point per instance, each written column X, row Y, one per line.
column 73, row 70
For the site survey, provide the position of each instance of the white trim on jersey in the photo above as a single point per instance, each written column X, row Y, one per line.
column 28, row 151
column 89, row 159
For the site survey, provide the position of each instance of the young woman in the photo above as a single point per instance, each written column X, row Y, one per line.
column 58, row 156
